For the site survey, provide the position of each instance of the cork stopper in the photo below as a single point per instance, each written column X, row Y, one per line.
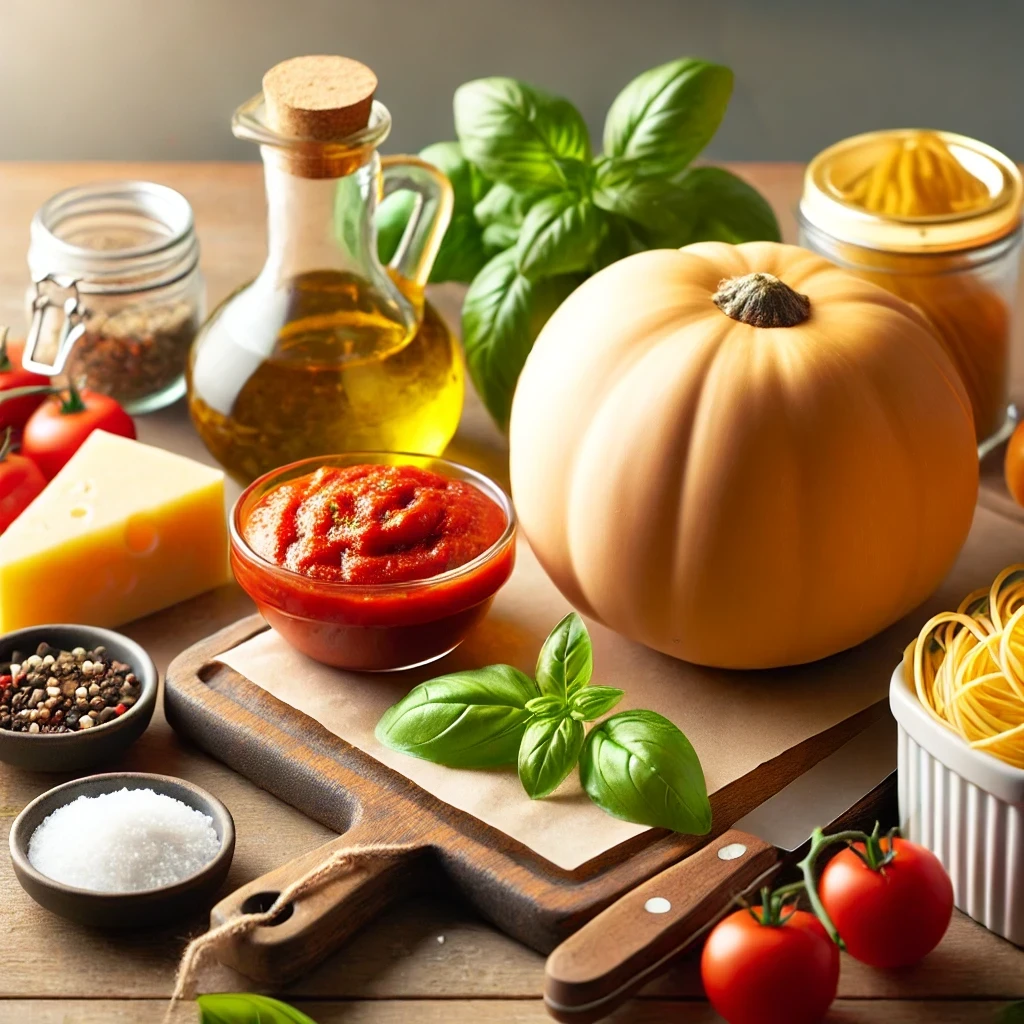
column 320, row 98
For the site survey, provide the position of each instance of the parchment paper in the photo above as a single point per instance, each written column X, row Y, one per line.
column 735, row 720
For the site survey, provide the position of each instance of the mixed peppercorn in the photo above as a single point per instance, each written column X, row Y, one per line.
column 55, row 691
column 135, row 352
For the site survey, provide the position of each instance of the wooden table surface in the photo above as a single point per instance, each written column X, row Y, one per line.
column 432, row 960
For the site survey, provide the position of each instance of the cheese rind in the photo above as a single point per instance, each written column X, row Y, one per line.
column 122, row 531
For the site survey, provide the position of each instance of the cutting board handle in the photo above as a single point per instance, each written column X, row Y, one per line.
column 315, row 925
column 615, row 954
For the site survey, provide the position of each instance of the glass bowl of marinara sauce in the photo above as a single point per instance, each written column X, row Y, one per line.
column 373, row 561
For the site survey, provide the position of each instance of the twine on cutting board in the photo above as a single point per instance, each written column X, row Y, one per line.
column 337, row 864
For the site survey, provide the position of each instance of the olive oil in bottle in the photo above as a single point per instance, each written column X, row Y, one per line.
column 339, row 377
column 327, row 351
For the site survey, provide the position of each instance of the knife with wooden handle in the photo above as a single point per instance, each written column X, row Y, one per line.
column 632, row 941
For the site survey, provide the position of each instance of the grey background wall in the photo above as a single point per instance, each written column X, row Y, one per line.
column 158, row 79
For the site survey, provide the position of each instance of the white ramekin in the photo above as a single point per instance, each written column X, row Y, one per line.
column 967, row 807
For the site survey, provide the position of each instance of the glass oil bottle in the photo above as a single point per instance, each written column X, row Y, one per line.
column 327, row 351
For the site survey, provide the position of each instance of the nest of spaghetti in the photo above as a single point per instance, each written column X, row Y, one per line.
column 968, row 667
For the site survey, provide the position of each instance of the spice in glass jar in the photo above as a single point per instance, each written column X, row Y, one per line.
column 135, row 352
column 118, row 295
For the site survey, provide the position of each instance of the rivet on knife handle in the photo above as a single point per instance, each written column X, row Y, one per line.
column 611, row 957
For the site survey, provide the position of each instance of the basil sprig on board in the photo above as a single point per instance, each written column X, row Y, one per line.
column 536, row 212
column 245, row 1008
column 464, row 720
column 635, row 765
column 638, row 766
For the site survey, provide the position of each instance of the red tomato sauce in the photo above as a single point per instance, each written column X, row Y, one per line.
column 373, row 524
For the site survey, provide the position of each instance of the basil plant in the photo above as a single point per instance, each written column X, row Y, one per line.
column 536, row 212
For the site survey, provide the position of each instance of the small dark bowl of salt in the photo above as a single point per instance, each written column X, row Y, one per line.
column 124, row 850
column 62, row 711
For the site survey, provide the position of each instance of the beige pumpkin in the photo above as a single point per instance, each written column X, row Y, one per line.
column 741, row 455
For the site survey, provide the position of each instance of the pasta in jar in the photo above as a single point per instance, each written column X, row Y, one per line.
column 934, row 218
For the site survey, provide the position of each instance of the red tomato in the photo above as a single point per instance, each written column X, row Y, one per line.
column 56, row 430
column 770, row 974
column 15, row 412
column 20, row 481
column 894, row 916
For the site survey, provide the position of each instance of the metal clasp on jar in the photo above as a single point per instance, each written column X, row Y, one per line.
column 52, row 292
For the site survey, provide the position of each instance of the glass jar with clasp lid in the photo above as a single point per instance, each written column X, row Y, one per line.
column 118, row 295
column 328, row 351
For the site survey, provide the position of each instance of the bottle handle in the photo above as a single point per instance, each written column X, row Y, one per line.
column 418, row 248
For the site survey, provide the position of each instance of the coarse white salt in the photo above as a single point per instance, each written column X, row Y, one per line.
column 123, row 841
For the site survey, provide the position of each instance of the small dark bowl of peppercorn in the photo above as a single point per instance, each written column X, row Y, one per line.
column 72, row 697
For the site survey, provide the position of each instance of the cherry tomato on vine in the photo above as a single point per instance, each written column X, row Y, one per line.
column 784, row 973
column 57, row 429
column 15, row 412
column 893, row 914
column 21, row 481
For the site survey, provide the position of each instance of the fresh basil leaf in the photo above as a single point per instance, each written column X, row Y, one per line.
column 392, row 216
column 566, row 661
column 503, row 205
column 622, row 238
column 468, row 184
column 243, row 1008
column 1012, row 1014
column 594, row 701
column 701, row 204
column 667, row 115
column 558, row 236
column 501, row 317
column 638, row 766
column 519, row 135
column 470, row 719
column 499, row 237
column 725, row 208
column 548, row 753
column 661, row 206
column 545, row 705
column 462, row 252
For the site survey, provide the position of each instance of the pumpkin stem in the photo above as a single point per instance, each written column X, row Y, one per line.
column 761, row 300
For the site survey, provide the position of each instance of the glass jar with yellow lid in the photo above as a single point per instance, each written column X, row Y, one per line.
column 935, row 218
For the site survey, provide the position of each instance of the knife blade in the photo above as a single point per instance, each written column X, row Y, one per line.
column 635, row 939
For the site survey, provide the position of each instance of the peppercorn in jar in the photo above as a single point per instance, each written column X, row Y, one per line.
column 118, row 295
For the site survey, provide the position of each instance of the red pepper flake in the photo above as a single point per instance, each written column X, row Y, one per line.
column 5, row 681
column 120, row 709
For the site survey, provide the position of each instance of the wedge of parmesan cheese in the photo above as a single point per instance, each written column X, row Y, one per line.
column 122, row 531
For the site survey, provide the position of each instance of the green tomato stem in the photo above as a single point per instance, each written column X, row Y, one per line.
column 33, row 389
column 819, row 841
column 874, row 857
column 794, row 888
column 73, row 403
column 774, row 905
column 5, row 448
column 5, row 360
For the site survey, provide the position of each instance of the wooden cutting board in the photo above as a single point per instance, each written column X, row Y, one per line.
column 293, row 756
column 533, row 900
